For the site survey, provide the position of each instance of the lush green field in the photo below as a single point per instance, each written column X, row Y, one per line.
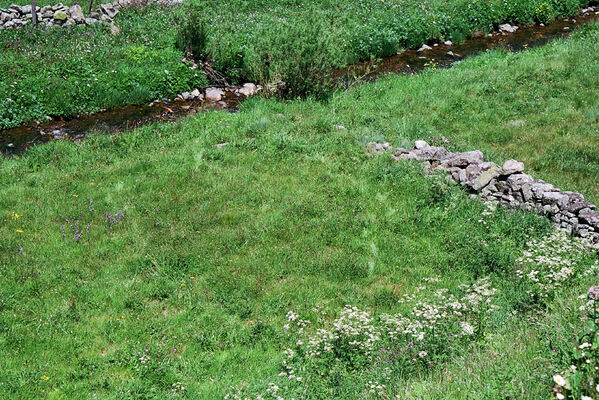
column 62, row 72
column 138, row 264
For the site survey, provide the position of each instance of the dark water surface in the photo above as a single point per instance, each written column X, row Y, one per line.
column 14, row 141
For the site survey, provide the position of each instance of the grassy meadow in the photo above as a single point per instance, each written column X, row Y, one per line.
column 156, row 264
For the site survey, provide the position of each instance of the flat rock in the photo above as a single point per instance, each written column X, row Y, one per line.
column 516, row 181
column 508, row 28
column 558, row 198
column 109, row 10
column 590, row 217
column 195, row 93
column 463, row 159
column 248, row 89
column 431, row 153
column 512, row 167
column 420, row 144
column 425, row 47
column 214, row 94
column 477, row 176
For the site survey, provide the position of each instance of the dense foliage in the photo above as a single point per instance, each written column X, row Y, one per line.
column 258, row 40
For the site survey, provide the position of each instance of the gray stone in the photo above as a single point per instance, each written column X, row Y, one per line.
column 94, row 15
column 77, row 13
column 214, row 94
column 248, row 89
column 425, row 47
column 508, row 28
column 4, row 17
column 477, row 176
column 431, row 153
column 516, row 181
column 109, row 10
column 557, row 198
column 195, row 93
column 91, row 21
column 407, row 156
column 420, row 144
column 512, row 167
column 463, row 159
column 589, row 217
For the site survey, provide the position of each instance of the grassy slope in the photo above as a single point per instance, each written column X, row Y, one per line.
column 217, row 244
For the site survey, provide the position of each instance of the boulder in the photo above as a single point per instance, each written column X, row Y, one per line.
column 558, row 198
column 512, row 167
column 480, row 175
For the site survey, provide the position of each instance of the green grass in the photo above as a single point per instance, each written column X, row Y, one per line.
column 63, row 72
column 217, row 244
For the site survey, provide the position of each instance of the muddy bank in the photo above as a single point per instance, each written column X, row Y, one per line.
column 16, row 140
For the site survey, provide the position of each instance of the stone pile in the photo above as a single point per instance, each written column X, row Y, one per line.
column 507, row 185
column 60, row 15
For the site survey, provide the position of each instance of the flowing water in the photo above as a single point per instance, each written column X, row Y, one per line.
column 14, row 141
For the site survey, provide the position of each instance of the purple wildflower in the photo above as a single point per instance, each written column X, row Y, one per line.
column 594, row 292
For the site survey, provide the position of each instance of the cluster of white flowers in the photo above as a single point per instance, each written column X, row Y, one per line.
column 294, row 321
column 446, row 309
column 177, row 389
column 376, row 389
column 272, row 393
column 549, row 263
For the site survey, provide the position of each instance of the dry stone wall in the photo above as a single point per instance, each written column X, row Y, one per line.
column 507, row 185
column 60, row 15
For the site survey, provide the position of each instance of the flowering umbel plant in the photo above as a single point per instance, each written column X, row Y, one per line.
column 581, row 380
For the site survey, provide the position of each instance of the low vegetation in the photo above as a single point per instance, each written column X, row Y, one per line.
column 63, row 72
column 285, row 262
column 67, row 71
